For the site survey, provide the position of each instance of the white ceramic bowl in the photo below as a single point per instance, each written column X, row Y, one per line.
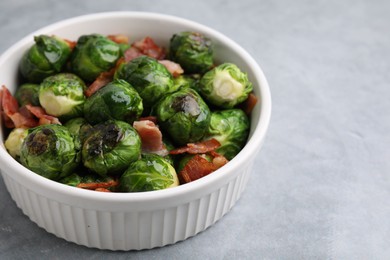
column 126, row 221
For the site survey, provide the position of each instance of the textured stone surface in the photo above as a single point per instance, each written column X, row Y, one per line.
column 321, row 186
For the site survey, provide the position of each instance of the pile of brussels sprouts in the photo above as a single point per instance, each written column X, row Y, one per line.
column 96, row 141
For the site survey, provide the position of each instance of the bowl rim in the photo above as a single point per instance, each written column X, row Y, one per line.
column 8, row 164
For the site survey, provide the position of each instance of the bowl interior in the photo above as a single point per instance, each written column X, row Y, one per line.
column 160, row 28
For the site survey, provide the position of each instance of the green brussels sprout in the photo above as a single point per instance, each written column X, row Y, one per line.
column 192, row 50
column 45, row 58
column 150, row 78
column 62, row 95
column 183, row 115
column 72, row 180
column 187, row 81
column 231, row 128
column 110, row 147
column 117, row 100
column 79, row 129
column 27, row 94
column 14, row 141
column 225, row 86
column 49, row 151
column 151, row 172
column 93, row 55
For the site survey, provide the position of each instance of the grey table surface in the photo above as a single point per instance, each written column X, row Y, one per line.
column 320, row 188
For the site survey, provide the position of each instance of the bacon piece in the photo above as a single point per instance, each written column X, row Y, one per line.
column 40, row 113
column 9, row 103
column 174, row 68
column 151, row 137
column 21, row 121
column 148, row 47
column 248, row 105
column 218, row 160
column 200, row 147
column 132, row 53
column 70, row 43
column 103, row 79
column 10, row 111
column 97, row 185
column 199, row 167
column 119, row 38
column 195, row 168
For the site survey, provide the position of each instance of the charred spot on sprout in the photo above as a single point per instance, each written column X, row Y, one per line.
column 110, row 147
column 183, row 115
column 49, row 150
column 186, row 104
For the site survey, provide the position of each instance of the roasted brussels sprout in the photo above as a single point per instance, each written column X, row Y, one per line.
column 150, row 78
column 187, row 81
column 27, row 94
column 225, row 86
column 231, row 128
column 79, row 129
column 183, row 115
column 72, row 180
column 110, row 147
column 62, row 95
column 151, row 172
column 192, row 50
column 45, row 58
column 117, row 100
column 49, row 150
column 92, row 55
column 14, row 141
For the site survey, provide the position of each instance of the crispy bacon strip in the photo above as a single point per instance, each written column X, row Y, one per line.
column 11, row 114
column 199, row 167
column 97, row 185
column 9, row 103
column 151, row 137
column 248, row 105
column 200, row 147
column 196, row 168
column 132, row 53
column 148, row 47
column 40, row 113
column 70, row 43
column 21, row 121
column 218, row 160
column 103, row 79
column 119, row 38
column 174, row 68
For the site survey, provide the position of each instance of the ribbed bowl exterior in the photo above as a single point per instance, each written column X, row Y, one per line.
column 133, row 230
